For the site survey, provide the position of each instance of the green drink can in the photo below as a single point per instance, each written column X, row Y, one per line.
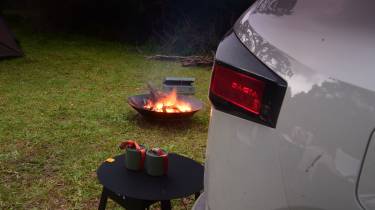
column 156, row 163
column 135, row 155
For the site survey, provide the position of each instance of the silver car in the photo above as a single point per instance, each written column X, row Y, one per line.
column 293, row 117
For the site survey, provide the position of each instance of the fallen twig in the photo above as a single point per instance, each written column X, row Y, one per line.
column 166, row 57
column 185, row 60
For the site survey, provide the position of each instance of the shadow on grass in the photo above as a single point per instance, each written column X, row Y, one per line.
column 149, row 123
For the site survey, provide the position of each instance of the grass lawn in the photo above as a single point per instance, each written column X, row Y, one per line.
column 63, row 112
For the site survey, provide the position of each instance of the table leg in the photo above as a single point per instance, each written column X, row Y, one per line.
column 196, row 195
column 103, row 200
column 166, row 205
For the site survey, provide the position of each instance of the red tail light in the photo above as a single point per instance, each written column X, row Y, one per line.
column 246, row 94
column 243, row 86
column 237, row 88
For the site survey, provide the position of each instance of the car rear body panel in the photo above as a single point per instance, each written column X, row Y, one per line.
column 331, row 37
column 366, row 184
column 312, row 159
column 236, row 162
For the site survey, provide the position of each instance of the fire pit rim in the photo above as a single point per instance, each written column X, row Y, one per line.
column 196, row 105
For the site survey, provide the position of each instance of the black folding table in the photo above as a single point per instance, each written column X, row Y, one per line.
column 137, row 190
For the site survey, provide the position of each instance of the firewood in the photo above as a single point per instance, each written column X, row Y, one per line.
column 185, row 61
column 154, row 92
column 166, row 57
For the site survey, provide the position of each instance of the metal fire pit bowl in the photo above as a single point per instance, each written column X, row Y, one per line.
column 138, row 101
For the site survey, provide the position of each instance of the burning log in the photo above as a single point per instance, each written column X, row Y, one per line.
column 154, row 92
column 167, row 102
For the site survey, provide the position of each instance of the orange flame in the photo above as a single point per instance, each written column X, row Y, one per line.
column 169, row 103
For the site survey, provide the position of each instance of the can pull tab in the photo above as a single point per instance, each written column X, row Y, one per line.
column 129, row 144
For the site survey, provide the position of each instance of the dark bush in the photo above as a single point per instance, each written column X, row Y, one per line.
column 176, row 26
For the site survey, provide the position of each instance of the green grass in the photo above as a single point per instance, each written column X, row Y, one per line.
column 63, row 111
